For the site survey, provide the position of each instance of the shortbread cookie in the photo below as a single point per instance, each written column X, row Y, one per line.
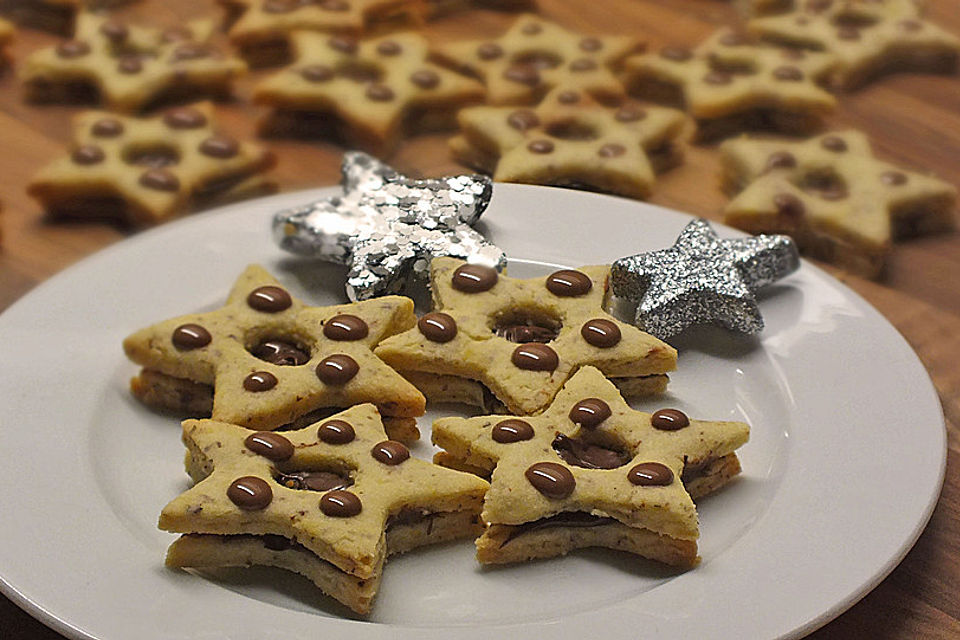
column 729, row 84
column 831, row 194
column 374, row 90
column 330, row 501
column 517, row 341
column 147, row 170
column 262, row 28
column 536, row 55
column 269, row 360
column 129, row 67
column 571, row 140
column 592, row 472
column 868, row 39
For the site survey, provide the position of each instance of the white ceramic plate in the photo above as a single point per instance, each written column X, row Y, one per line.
column 842, row 471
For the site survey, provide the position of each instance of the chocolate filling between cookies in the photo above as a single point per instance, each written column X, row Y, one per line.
column 567, row 519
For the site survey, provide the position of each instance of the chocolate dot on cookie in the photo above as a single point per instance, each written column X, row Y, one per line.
column 583, row 64
column 380, row 93
column 260, row 381
column 176, row 34
column 317, row 73
column 390, row 452
column 669, row 420
column 590, row 412
column 716, row 77
column 337, row 370
column 438, row 327
column 789, row 205
column 568, row 97
column 601, row 333
column 335, row 5
column 531, row 29
column 271, row 446
column 848, row 32
column 568, row 283
column 893, row 178
column 733, row 40
column 788, row 74
column 343, row 44
column 72, row 49
column 389, row 48
column 611, row 150
column 834, row 143
column 591, row 44
column 345, row 327
column 650, row 474
column 523, row 119
column 425, row 78
column 512, row 430
column 192, row 51
column 280, row 6
column 523, row 74
column 87, row 154
column 489, row 51
column 629, row 113
column 336, row 432
column 107, row 128
column 184, row 118
column 340, row 504
column 474, row 278
column 677, row 54
column 130, row 65
column 160, row 179
column 114, row 31
column 219, row 146
column 910, row 25
column 250, row 493
column 188, row 337
column 540, row 146
column 269, row 299
column 535, row 357
column 780, row 160
column 551, row 479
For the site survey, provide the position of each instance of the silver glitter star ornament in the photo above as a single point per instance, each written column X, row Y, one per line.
column 703, row 279
column 387, row 227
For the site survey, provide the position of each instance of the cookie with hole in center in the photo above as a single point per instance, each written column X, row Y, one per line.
column 590, row 471
column 266, row 360
column 571, row 140
column 145, row 171
column 729, row 84
column 839, row 202
column 128, row 67
column 536, row 55
column 506, row 344
column 867, row 39
column 365, row 92
column 330, row 501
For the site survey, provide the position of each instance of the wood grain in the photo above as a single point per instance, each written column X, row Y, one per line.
column 913, row 119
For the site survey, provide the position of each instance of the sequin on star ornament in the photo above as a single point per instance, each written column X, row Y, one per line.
column 703, row 279
column 387, row 227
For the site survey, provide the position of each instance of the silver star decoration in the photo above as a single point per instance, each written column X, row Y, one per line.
column 387, row 227
column 703, row 279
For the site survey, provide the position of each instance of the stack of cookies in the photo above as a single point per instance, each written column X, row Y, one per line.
column 301, row 417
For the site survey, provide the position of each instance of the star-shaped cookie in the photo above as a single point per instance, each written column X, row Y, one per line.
column 730, row 84
column 840, row 203
column 151, row 169
column 271, row 360
column 53, row 15
column 536, row 55
column 571, row 140
column 867, row 39
column 262, row 28
column 703, row 279
column 330, row 501
column 878, row 8
column 592, row 472
column 496, row 341
column 129, row 67
column 388, row 227
column 374, row 88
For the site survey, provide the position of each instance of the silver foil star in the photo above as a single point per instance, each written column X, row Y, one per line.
column 703, row 279
column 387, row 227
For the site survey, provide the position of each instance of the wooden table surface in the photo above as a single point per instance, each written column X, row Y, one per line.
column 913, row 119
